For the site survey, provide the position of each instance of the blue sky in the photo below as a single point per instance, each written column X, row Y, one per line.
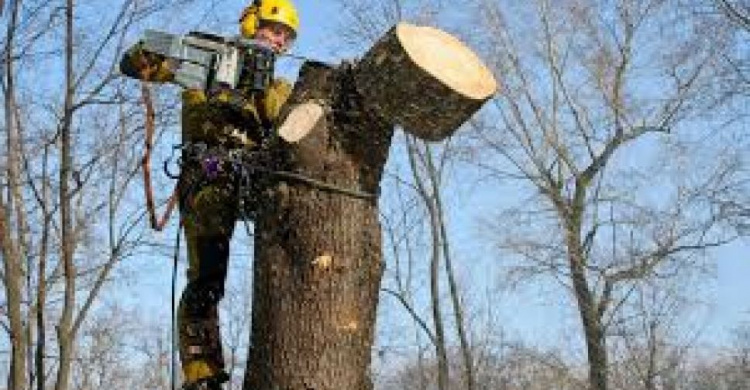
column 543, row 320
column 732, row 294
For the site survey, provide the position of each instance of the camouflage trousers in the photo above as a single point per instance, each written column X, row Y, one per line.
column 208, row 209
column 216, row 189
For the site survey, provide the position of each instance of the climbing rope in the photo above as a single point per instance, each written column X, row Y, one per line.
column 156, row 223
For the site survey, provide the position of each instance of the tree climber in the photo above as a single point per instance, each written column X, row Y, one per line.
column 208, row 188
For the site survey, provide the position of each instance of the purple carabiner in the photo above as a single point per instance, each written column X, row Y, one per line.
column 211, row 167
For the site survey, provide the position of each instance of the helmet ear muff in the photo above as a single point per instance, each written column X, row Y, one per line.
column 249, row 21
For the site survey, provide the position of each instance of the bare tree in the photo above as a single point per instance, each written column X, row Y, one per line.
column 104, row 358
column 576, row 106
column 402, row 228
column 12, row 213
column 65, row 332
column 152, row 350
column 727, row 370
column 507, row 367
column 429, row 189
column 737, row 11
column 72, row 241
column 651, row 343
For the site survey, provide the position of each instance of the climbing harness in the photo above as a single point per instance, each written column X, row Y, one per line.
column 247, row 165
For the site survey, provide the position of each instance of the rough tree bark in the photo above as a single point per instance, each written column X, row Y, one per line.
column 65, row 335
column 318, row 250
column 12, row 220
column 318, row 262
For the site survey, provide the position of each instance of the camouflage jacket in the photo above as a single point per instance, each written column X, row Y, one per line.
column 211, row 120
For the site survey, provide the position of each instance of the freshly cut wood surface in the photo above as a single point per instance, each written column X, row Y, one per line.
column 300, row 121
column 448, row 60
column 424, row 79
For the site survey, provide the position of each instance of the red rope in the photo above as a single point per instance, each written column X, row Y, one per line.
column 156, row 223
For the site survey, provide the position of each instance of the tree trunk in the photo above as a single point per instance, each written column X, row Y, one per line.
column 318, row 251
column 67, row 239
column 424, row 80
column 588, row 309
column 318, row 260
column 597, row 350
column 429, row 199
column 12, row 278
column 13, row 245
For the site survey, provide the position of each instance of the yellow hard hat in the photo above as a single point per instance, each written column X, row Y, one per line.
column 279, row 11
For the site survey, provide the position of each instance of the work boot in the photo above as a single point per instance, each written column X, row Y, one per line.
column 210, row 383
